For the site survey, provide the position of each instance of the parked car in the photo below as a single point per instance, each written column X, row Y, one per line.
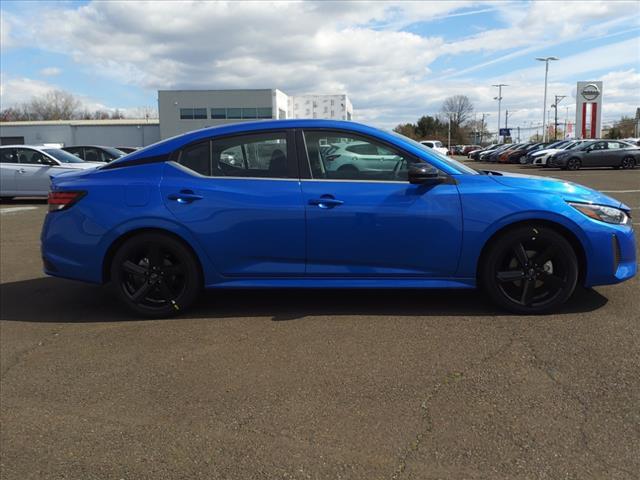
column 519, row 155
column 470, row 148
column 436, row 145
column 505, row 156
column 288, row 221
column 478, row 154
column 128, row 149
column 492, row 157
column 348, row 158
column 25, row 169
column 599, row 153
column 94, row 153
column 541, row 156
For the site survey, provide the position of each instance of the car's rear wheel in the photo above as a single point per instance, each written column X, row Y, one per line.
column 155, row 275
column 628, row 162
column 529, row 270
column 573, row 164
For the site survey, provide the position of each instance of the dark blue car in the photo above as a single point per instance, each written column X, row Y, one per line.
column 260, row 205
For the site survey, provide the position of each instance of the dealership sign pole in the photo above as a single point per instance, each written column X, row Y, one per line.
column 589, row 109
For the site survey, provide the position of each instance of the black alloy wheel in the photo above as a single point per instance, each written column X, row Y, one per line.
column 529, row 270
column 155, row 275
column 627, row 162
column 573, row 164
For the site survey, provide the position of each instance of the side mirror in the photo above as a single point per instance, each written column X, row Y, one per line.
column 419, row 174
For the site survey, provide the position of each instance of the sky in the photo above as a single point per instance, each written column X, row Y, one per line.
column 397, row 61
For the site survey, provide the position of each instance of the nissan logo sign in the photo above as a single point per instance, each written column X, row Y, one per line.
column 590, row 92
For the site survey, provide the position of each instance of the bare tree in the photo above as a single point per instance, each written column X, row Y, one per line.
column 458, row 108
column 53, row 105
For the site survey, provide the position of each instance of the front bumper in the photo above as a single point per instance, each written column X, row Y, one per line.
column 553, row 161
column 613, row 259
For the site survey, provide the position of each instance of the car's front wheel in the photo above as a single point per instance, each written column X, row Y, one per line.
column 530, row 270
column 155, row 275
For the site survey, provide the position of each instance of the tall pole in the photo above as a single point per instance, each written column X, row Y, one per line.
column 449, row 146
column 499, row 98
column 544, row 106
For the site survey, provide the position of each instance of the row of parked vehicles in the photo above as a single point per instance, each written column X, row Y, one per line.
column 25, row 170
column 565, row 154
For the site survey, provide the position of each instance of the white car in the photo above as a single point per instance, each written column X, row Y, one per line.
column 541, row 157
column 25, row 170
column 436, row 145
column 358, row 156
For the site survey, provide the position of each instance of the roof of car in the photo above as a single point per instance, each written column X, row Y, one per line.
column 165, row 147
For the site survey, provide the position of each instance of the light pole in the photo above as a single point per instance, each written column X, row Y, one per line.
column 499, row 98
column 544, row 106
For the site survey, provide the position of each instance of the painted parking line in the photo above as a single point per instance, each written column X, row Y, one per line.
column 16, row 209
column 620, row 191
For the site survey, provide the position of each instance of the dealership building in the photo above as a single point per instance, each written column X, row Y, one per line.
column 185, row 110
column 179, row 111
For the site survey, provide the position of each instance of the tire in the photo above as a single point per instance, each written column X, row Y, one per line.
column 155, row 275
column 627, row 162
column 573, row 164
column 530, row 270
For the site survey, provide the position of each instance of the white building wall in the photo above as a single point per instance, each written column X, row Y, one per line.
column 333, row 107
column 280, row 105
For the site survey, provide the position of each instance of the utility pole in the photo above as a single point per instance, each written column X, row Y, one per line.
column 482, row 127
column 518, row 133
column 558, row 99
column 499, row 98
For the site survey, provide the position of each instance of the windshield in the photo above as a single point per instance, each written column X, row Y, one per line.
column 62, row 156
column 114, row 152
column 573, row 145
column 461, row 167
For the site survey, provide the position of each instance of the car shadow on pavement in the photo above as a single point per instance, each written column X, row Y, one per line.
column 23, row 201
column 62, row 301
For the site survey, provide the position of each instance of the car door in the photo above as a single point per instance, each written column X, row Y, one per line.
column 376, row 224
column 240, row 197
column 614, row 154
column 32, row 176
column 8, row 166
column 596, row 155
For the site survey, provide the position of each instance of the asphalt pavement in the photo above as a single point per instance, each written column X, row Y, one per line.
column 315, row 384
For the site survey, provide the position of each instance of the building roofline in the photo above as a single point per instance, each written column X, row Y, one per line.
column 112, row 122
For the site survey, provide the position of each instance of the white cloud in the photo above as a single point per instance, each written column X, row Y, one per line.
column 5, row 32
column 328, row 47
column 50, row 71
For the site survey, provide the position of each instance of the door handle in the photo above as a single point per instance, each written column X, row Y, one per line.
column 22, row 170
column 185, row 196
column 325, row 201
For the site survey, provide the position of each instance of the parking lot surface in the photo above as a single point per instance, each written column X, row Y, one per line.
column 315, row 384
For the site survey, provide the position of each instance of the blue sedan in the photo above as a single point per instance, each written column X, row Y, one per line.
column 257, row 205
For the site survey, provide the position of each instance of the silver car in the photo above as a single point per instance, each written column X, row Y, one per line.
column 25, row 170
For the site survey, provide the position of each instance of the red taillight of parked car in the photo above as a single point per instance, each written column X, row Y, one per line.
column 64, row 199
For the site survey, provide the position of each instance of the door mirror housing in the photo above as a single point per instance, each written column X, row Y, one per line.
column 425, row 173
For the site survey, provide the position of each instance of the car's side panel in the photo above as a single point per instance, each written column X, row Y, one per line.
column 382, row 228
column 247, row 226
column 118, row 202
column 8, row 172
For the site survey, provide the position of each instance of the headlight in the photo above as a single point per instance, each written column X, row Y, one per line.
column 602, row 213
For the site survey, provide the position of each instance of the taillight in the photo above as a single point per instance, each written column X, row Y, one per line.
column 63, row 199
